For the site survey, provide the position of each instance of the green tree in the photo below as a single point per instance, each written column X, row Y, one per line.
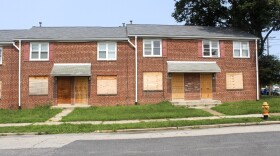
column 258, row 17
column 269, row 69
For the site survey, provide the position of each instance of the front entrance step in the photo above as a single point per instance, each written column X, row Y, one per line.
column 70, row 106
column 196, row 103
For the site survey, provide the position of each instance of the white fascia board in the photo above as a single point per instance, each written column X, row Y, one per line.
column 6, row 42
column 196, row 37
column 75, row 40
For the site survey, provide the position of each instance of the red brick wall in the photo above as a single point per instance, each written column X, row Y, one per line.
column 124, row 68
column 9, row 78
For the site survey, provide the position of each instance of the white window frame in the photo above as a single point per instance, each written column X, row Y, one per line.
column 210, row 48
column 240, row 49
column 107, row 51
column 1, row 55
column 152, row 47
column 39, row 53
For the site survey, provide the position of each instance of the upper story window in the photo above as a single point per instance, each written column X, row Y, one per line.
column 152, row 48
column 211, row 49
column 241, row 49
column 39, row 51
column 107, row 51
column 1, row 55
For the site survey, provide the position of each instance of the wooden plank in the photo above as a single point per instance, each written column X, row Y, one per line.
column 106, row 85
column 64, row 90
column 38, row 85
column 234, row 81
column 81, row 90
column 206, row 86
column 152, row 81
column 178, row 86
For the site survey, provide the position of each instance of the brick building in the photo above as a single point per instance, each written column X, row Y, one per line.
column 98, row 66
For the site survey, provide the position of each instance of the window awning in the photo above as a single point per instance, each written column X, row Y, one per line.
column 192, row 67
column 71, row 69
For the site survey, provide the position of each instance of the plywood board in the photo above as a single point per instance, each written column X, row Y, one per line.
column 234, row 81
column 81, row 90
column 152, row 81
column 38, row 85
column 64, row 90
column 106, row 85
column 206, row 86
column 177, row 86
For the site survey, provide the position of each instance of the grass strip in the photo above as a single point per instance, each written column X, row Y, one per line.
column 152, row 111
column 249, row 107
column 86, row 128
column 38, row 114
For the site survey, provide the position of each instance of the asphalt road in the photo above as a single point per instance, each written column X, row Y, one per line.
column 231, row 141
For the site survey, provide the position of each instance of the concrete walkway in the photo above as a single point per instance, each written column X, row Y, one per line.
column 60, row 115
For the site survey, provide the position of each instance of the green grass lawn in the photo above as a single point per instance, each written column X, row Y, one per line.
column 153, row 111
column 39, row 114
column 87, row 128
column 249, row 107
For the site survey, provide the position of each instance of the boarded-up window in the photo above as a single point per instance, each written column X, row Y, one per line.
column 0, row 89
column 234, row 80
column 152, row 81
column 106, row 85
column 38, row 85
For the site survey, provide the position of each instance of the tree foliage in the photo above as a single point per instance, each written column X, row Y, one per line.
column 269, row 69
column 252, row 16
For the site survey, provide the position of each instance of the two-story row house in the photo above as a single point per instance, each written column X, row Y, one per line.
column 142, row 64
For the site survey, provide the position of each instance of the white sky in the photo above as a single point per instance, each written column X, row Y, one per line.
column 23, row 14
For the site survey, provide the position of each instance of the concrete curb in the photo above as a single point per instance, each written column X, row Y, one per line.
column 160, row 129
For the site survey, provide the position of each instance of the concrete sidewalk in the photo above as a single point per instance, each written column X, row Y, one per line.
column 55, row 122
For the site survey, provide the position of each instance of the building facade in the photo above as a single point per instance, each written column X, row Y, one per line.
column 104, row 66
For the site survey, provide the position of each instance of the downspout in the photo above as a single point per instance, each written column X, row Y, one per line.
column 136, row 72
column 257, row 70
column 136, row 68
column 19, row 72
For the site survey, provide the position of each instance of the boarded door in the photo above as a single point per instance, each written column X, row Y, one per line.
column 206, row 86
column 81, row 90
column 177, row 86
column 64, row 90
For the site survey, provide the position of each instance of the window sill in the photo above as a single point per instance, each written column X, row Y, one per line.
column 152, row 90
column 152, row 56
column 234, row 89
column 107, row 94
column 39, row 95
column 211, row 56
column 241, row 57
column 39, row 61
column 106, row 60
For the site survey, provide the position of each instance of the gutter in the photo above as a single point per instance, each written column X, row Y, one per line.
column 136, row 67
column 19, row 72
column 73, row 40
column 257, row 70
column 197, row 37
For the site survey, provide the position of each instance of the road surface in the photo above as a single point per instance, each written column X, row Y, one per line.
column 230, row 141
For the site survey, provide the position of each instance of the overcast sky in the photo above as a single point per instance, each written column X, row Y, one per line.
column 23, row 14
